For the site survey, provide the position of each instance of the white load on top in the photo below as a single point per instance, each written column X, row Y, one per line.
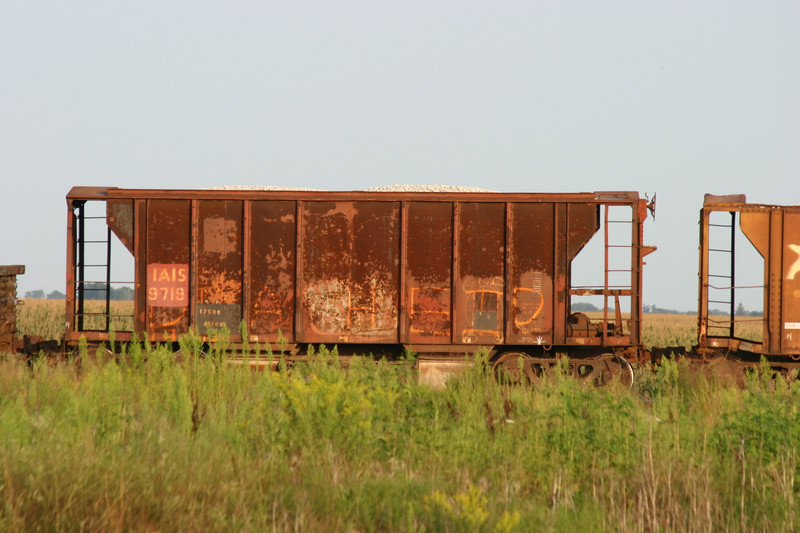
column 383, row 188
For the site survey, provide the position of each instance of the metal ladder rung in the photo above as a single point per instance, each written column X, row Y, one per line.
column 104, row 282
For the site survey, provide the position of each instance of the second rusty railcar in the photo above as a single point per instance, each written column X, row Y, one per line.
column 436, row 273
column 774, row 232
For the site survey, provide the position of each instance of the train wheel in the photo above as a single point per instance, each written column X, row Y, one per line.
column 94, row 356
column 610, row 367
column 508, row 368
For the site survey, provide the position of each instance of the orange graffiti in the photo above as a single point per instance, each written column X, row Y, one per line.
column 538, row 310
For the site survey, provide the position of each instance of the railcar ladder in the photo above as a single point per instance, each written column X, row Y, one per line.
column 617, row 289
column 84, row 286
column 727, row 274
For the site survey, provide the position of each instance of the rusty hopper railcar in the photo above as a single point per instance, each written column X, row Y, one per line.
column 774, row 231
column 440, row 274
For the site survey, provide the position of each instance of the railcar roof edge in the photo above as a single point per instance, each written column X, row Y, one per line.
column 100, row 193
column 738, row 202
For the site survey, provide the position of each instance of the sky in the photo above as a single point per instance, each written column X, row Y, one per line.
column 678, row 98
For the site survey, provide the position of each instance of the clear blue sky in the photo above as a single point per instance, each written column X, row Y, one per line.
column 679, row 98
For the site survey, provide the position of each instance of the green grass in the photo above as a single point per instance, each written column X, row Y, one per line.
column 147, row 444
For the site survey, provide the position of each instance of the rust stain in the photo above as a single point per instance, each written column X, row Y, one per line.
column 374, row 313
column 334, row 307
column 166, row 323
column 429, row 308
column 220, row 287
column 220, row 236
column 328, row 306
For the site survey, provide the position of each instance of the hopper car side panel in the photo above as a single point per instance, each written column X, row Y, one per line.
column 218, row 256
column 428, row 268
column 166, row 285
column 348, row 272
column 479, row 285
column 272, row 232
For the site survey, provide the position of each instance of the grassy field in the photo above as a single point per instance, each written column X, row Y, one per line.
column 150, row 445
column 47, row 317
column 681, row 330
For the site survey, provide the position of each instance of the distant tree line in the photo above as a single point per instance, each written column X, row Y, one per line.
column 40, row 295
column 740, row 310
column 92, row 291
